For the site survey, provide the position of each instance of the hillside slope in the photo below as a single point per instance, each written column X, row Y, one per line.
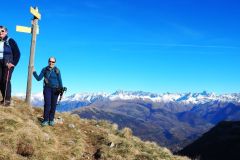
column 22, row 137
column 150, row 121
column 221, row 142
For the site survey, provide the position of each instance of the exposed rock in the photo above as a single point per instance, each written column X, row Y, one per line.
column 59, row 120
column 46, row 137
column 71, row 126
column 111, row 145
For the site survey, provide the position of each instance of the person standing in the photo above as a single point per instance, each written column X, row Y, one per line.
column 52, row 82
column 9, row 58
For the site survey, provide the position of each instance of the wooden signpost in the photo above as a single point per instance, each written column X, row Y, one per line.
column 34, row 30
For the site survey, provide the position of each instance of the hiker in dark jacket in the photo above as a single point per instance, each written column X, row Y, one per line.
column 9, row 57
column 52, row 82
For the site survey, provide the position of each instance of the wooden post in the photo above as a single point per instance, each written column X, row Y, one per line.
column 31, row 60
column 34, row 30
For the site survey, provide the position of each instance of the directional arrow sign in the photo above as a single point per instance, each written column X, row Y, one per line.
column 35, row 13
column 23, row 29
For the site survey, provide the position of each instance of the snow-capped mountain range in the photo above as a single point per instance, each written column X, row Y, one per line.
column 183, row 98
column 171, row 119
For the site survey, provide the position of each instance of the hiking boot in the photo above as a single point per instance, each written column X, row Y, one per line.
column 51, row 123
column 2, row 102
column 44, row 123
column 7, row 103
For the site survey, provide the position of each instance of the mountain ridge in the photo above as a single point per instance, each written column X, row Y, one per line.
column 182, row 98
column 169, row 124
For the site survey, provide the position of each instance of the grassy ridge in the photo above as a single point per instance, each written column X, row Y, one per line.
column 22, row 137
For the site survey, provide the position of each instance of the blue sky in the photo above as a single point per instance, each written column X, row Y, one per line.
column 155, row 45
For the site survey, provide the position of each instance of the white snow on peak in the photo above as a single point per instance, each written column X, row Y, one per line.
column 85, row 96
column 184, row 98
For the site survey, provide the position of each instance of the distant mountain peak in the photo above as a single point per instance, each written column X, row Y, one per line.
column 183, row 98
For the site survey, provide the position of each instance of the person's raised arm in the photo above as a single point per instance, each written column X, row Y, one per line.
column 40, row 76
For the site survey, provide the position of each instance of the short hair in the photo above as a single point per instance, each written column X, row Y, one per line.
column 52, row 57
column 4, row 28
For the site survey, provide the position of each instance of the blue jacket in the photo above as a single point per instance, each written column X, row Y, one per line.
column 52, row 77
column 12, row 53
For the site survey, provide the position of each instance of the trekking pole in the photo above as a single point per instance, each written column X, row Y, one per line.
column 5, row 92
column 60, row 98
column 64, row 89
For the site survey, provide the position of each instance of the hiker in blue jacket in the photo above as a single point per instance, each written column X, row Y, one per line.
column 9, row 57
column 52, row 82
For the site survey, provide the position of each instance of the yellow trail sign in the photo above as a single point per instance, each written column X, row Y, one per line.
column 23, row 29
column 35, row 13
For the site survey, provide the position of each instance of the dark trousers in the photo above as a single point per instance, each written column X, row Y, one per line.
column 5, row 81
column 50, row 101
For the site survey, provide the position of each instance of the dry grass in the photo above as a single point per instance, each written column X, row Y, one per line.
column 22, row 138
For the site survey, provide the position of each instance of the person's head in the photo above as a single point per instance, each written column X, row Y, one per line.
column 3, row 32
column 51, row 62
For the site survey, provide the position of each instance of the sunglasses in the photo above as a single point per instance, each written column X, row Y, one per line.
column 51, row 61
